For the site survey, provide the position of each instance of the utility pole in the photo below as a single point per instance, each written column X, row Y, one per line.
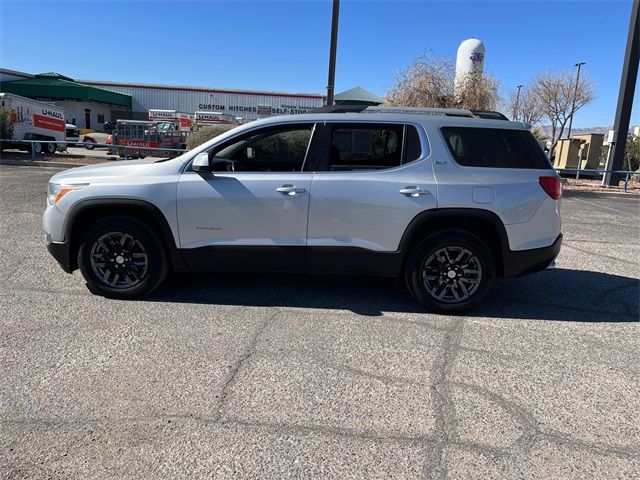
column 519, row 87
column 332, row 51
column 575, row 94
column 625, row 98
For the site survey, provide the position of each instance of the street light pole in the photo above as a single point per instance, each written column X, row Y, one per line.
column 575, row 94
column 332, row 51
column 519, row 87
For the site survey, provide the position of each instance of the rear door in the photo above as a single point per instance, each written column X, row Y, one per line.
column 372, row 180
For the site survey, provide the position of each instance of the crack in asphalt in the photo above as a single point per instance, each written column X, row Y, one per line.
column 443, row 408
column 626, row 261
column 233, row 373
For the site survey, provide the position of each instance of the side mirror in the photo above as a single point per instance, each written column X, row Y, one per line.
column 200, row 164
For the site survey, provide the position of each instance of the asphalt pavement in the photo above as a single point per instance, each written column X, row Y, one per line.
column 263, row 376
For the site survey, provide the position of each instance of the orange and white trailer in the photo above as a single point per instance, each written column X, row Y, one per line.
column 204, row 119
column 34, row 120
column 141, row 138
column 180, row 120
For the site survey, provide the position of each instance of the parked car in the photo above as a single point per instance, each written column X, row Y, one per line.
column 91, row 140
column 446, row 200
column 72, row 134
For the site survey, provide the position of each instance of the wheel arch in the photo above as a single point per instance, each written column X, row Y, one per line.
column 484, row 224
column 86, row 212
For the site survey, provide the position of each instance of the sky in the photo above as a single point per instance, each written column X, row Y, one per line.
column 283, row 46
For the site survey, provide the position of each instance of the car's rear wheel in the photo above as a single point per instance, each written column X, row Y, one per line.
column 450, row 271
column 51, row 148
column 89, row 144
column 121, row 257
column 36, row 148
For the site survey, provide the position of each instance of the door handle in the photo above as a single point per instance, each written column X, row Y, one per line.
column 413, row 191
column 289, row 189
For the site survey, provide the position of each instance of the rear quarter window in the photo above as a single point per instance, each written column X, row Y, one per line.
column 494, row 148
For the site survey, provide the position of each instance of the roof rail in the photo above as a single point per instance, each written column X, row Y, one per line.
column 344, row 108
column 450, row 112
column 489, row 114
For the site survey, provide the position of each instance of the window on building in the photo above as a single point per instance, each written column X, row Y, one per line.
column 100, row 118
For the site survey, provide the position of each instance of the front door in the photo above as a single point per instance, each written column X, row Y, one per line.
column 251, row 211
column 372, row 180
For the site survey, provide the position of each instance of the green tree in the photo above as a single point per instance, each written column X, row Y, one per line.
column 632, row 153
column 6, row 128
column 205, row 134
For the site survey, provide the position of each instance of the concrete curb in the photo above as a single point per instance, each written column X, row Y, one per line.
column 598, row 193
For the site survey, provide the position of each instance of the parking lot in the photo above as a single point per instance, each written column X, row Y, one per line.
column 262, row 376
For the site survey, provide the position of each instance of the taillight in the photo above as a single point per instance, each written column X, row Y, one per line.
column 551, row 185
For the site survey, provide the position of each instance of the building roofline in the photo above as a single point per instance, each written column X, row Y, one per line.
column 315, row 96
column 16, row 73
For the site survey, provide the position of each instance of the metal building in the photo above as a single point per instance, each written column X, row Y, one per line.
column 249, row 105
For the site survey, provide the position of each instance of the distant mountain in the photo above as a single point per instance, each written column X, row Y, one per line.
column 578, row 131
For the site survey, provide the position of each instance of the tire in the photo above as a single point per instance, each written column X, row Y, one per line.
column 36, row 148
column 51, row 148
column 454, row 284
column 125, row 247
column 90, row 144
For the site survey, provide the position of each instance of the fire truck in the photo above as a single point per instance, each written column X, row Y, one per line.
column 141, row 138
column 204, row 119
column 180, row 121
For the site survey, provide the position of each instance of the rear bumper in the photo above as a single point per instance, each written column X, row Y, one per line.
column 518, row 263
column 60, row 251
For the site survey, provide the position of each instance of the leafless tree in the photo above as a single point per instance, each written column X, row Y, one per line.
column 559, row 99
column 524, row 108
column 429, row 82
column 478, row 92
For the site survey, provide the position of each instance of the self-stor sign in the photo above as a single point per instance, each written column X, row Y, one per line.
column 49, row 119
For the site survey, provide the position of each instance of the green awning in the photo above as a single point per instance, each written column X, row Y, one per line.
column 53, row 86
column 358, row 96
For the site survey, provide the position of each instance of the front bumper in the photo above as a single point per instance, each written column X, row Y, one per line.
column 522, row 262
column 61, row 252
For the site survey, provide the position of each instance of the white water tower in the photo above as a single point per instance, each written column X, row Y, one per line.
column 470, row 60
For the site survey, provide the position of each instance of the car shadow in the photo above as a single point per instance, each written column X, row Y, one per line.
column 561, row 294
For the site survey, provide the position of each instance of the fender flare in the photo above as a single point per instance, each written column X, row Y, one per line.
column 175, row 255
column 428, row 215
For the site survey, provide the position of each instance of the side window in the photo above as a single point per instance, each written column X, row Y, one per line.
column 267, row 150
column 372, row 146
column 494, row 148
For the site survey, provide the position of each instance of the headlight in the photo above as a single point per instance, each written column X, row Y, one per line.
column 56, row 191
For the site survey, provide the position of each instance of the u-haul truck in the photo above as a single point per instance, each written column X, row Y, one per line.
column 179, row 120
column 204, row 119
column 34, row 120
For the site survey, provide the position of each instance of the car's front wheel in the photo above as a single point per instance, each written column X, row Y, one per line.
column 121, row 257
column 89, row 144
column 450, row 271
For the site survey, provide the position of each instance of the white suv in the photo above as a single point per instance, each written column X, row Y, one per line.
column 447, row 200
